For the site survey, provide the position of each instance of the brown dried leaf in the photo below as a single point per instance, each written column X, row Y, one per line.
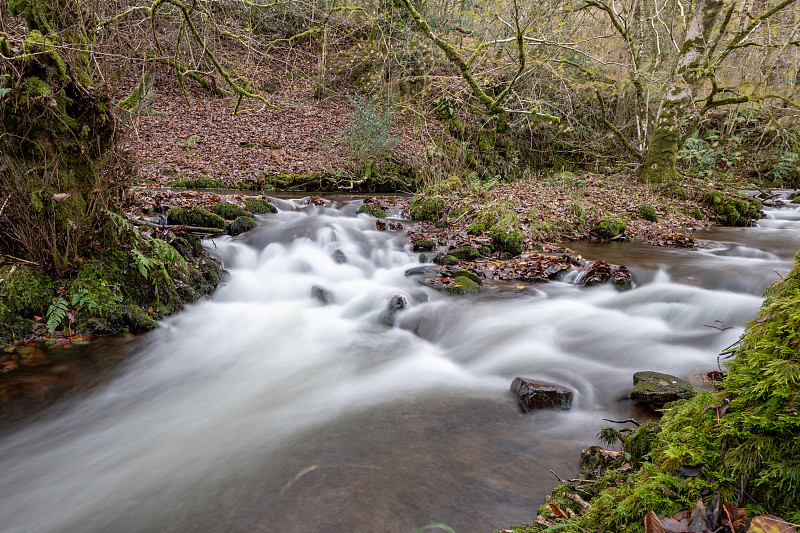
column 652, row 524
column 557, row 512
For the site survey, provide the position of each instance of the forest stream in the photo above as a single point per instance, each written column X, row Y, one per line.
column 262, row 409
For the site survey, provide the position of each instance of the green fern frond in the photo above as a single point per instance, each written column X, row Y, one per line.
column 57, row 312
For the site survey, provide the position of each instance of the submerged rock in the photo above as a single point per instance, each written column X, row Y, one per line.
column 422, row 271
column 656, row 389
column 535, row 395
column 396, row 303
column 338, row 256
column 322, row 295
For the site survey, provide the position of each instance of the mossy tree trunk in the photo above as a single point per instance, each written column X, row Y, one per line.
column 691, row 70
column 58, row 169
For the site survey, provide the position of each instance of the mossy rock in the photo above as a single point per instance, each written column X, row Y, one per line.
column 372, row 210
column 733, row 211
column 429, row 208
column 464, row 253
column 485, row 250
column 608, row 228
column 424, row 245
column 258, row 206
column 507, row 236
column 195, row 216
column 228, row 211
column 445, row 260
column 242, row 224
column 648, row 212
column 468, row 274
column 656, row 389
column 462, row 285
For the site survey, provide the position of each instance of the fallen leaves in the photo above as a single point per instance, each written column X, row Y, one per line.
column 731, row 520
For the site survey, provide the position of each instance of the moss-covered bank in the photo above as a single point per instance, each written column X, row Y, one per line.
column 741, row 442
column 128, row 289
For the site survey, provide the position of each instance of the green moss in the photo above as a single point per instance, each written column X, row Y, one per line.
column 429, row 208
column 462, row 285
column 476, row 228
column 445, row 260
column 647, row 212
column 447, row 186
column 228, row 211
column 242, row 224
column 372, row 210
column 745, row 435
column 424, row 245
column 487, row 217
column 202, row 182
column 26, row 293
column 464, row 253
column 607, row 228
column 507, row 235
column 732, row 210
column 258, row 206
column 467, row 274
column 132, row 100
column 195, row 217
column 33, row 90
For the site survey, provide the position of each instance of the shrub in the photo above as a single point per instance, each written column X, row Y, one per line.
column 368, row 134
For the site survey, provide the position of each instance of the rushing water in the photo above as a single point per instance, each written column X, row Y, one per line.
column 264, row 410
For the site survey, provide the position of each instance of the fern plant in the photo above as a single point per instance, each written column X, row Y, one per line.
column 57, row 312
column 166, row 253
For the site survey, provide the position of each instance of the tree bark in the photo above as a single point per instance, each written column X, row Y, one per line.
column 691, row 71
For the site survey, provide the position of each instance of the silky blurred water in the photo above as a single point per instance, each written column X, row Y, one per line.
column 263, row 410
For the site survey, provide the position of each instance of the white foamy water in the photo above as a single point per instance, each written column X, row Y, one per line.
column 264, row 410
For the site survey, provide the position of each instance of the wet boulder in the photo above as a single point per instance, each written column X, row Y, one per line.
column 322, row 295
column 533, row 395
column 338, row 256
column 422, row 271
column 242, row 225
column 656, row 389
column 601, row 272
column 396, row 304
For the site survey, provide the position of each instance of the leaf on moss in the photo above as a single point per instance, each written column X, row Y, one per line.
column 767, row 523
column 652, row 524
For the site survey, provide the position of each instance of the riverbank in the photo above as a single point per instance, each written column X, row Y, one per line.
column 725, row 460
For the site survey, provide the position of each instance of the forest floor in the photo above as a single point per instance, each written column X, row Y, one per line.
column 198, row 136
